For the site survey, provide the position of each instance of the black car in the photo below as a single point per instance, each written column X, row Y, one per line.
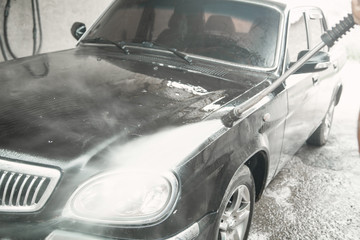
column 123, row 137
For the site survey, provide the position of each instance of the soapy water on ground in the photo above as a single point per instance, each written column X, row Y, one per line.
column 317, row 194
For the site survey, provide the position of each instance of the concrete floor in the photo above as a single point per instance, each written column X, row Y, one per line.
column 317, row 194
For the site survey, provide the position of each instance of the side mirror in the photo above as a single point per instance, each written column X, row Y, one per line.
column 78, row 29
column 319, row 62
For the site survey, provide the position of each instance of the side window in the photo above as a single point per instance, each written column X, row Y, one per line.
column 316, row 28
column 297, row 35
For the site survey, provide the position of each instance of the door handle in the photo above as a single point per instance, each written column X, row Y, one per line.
column 315, row 79
column 335, row 65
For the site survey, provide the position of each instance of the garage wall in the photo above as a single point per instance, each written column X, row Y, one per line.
column 57, row 17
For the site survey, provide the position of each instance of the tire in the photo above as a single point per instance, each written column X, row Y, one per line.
column 236, row 209
column 321, row 134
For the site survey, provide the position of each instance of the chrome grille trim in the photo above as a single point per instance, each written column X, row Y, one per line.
column 21, row 189
column 25, row 188
column 14, row 187
column 37, row 191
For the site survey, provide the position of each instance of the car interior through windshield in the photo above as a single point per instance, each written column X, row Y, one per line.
column 224, row 30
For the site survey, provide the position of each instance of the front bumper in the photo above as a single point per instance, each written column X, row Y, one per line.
column 190, row 233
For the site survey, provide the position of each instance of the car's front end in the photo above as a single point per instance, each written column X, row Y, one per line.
column 112, row 155
column 123, row 139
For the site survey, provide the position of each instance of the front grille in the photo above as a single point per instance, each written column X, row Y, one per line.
column 25, row 188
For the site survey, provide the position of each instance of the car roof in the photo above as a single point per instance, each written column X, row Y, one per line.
column 284, row 5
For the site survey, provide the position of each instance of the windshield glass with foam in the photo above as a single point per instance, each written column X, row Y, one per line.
column 232, row 31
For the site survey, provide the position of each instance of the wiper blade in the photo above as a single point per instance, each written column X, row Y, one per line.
column 173, row 50
column 120, row 45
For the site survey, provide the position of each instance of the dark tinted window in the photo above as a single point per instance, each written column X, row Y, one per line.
column 227, row 30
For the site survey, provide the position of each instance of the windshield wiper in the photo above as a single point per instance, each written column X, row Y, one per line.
column 173, row 50
column 120, row 45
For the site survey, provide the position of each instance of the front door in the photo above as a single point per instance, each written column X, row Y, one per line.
column 301, row 89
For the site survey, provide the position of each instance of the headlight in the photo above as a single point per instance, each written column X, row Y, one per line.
column 124, row 197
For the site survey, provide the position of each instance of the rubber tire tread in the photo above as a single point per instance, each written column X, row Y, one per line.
column 318, row 137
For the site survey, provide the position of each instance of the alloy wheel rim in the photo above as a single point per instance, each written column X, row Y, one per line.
column 234, row 220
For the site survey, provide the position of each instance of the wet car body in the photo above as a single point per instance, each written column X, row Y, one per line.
column 95, row 110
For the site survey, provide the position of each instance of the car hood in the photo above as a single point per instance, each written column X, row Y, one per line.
column 62, row 105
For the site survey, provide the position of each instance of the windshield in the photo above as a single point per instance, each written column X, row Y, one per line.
column 233, row 31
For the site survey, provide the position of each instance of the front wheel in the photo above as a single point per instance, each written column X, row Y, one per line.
column 236, row 209
column 321, row 134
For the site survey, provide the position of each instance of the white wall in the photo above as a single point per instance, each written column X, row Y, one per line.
column 57, row 17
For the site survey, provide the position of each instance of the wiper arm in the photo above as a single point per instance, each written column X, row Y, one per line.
column 173, row 50
column 120, row 45
column 180, row 54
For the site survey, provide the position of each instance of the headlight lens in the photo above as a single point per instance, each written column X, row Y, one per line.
column 124, row 197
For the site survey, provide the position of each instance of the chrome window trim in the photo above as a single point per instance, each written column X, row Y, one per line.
column 95, row 22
